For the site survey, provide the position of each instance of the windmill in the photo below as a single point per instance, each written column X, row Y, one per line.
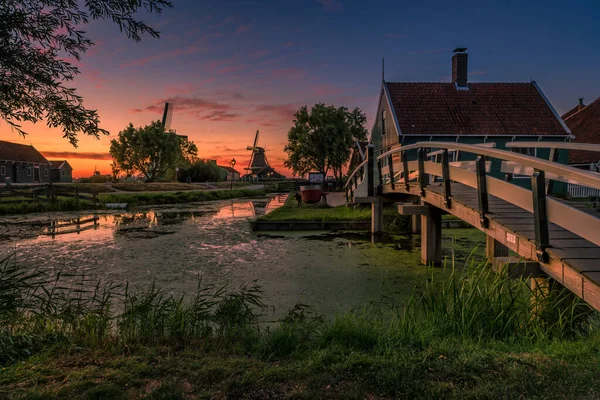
column 167, row 116
column 258, row 159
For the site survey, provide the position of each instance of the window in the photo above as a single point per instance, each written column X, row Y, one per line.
column 29, row 171
column 45, row 171
column 62, row 172
column 382, row 122
column 2, row 170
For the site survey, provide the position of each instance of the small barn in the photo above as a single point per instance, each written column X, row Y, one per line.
column 229, row 174
column 61, row 172
column 20, row 163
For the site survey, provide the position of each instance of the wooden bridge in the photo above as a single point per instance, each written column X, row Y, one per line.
column 562, row 237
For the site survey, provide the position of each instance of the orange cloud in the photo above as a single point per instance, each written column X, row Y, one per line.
column 75, row 154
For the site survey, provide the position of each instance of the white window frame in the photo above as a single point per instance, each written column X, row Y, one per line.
column 29, row 171
column 2, row 169
column 46, row 172
column 383, row 122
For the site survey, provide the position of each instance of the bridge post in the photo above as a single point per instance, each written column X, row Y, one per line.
column 377, row 217
column 494, row 249
column 404, row 156
column 540, row 217
column 370, row 169
column 423, row 179
column 482, row 194
column 431, row 237
column 446, row 177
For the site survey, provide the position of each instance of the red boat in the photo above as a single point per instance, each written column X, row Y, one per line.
column 311, row 194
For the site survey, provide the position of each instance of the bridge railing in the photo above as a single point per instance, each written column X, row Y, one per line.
column 575, row 189
column 544, row 208
column 360, row 181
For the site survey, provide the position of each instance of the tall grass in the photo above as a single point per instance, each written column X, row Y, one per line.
column 39, row 312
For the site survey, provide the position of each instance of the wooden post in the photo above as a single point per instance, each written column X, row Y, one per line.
column 404, row 156
column 391, row 169
column 377, row 217
column 482, row 194
column 431, row 237
column 370, row 169
column 446, row 177
column 77, row 196
column 540, row 217
column 494, row 249
column 423, row 179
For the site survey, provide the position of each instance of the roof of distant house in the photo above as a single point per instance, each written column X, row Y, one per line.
column 21, row 152
column 573, row 110
column 58, row 164
column 585, row 125
column 229, row 169
column 509, row 109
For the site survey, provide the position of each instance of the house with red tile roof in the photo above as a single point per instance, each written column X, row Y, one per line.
column 584, row 122
column 20, row 163
column 465, row 112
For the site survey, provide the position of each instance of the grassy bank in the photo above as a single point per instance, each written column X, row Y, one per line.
column 178, row 197
column 393, row 222
column 61, row 204
column 474, row 335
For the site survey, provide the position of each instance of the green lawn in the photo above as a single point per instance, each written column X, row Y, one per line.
column 310, row 212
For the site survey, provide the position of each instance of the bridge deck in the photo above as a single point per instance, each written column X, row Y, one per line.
column 573, row 261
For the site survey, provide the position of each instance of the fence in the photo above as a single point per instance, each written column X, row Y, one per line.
column 580, row 191
column 45, row 193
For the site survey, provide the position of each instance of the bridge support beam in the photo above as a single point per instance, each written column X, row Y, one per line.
column 431, row 237
column 494, row 248
column 377, row 217
column 415, row 224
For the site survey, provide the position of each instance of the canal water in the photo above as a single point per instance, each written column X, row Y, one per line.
column 175, row 246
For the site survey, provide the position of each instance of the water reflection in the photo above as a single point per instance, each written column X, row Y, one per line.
column 175, row 245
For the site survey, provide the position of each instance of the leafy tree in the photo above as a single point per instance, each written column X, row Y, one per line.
column 150, row 150
column 201, row 171
column 37, row 39
column 322, row 139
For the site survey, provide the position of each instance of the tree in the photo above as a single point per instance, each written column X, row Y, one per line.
column 37, row 39
column 201, row 171
column 322, row 139
column 150, row 150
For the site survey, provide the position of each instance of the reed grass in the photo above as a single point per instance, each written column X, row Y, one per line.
column 474, row 334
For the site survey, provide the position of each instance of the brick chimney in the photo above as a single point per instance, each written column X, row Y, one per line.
column 580, row 106
column 460, row 68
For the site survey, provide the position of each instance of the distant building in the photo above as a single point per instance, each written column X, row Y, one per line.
column 22, row 164
column 229, row 174
column 584, row 122
column 61, row 172
column 464, row 112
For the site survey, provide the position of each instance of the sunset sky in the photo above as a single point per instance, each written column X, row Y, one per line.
column 232, row 67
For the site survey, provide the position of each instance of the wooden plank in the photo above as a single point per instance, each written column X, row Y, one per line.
column 413, row 209
column 579, row 253
column 580, row 264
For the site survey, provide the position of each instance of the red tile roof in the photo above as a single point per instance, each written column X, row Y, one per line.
column 572, row 111
column 484, row 109
column 229, row 169
column 585, row 125
column 20, row 152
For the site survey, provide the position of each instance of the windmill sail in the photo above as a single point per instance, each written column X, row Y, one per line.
column 167, row 116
